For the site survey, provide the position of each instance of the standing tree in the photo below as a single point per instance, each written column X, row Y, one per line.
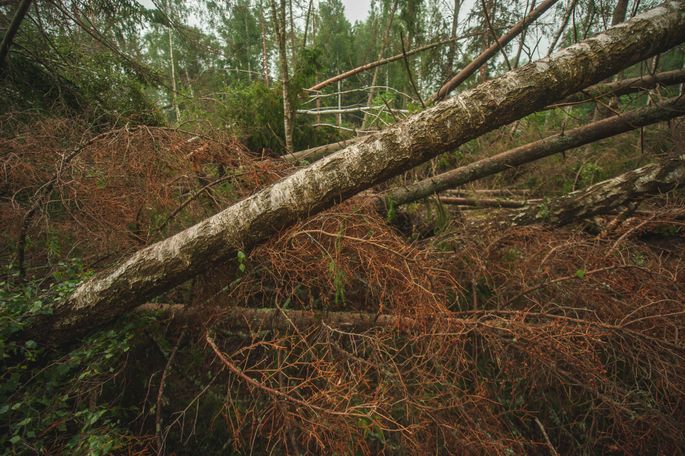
column 279, row 20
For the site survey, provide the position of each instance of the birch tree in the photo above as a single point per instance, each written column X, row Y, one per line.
column 374, row 159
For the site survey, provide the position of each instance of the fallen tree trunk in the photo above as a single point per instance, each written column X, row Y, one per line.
column 482, row 202
column 492, row 50
column 12, row 30
column 527, row 153
column 373, row 159
column 250, row 319
column 380, row 62
column 316, row 153
column 623, row 87
column 618, row 88
column 605, row 196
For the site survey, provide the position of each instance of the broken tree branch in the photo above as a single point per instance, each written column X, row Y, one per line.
column 492, row 50
column 606, row 196
column 381, row 62
column 527, row 153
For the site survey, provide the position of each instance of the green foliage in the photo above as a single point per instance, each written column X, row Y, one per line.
column 392, row 210
column 254, row 113
column 241, row 257
column 52, row 402
column 590, row 173
column 543, row 211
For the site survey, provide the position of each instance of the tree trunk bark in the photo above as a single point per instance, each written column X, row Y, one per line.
column 172, row 64
column 492, row 50
column 536, row 150
column 371, row 65
column 373, row 159
column 374, row 78
column 624, row 87
column 265, row 57
column 482, row 202
column 562, row 28
column 280, row 25
column 452, row 51
column 316, row 153
column 606, row 196
column 618, row 88
column 12, row 30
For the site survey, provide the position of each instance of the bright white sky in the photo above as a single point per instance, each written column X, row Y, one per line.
column 356, row 10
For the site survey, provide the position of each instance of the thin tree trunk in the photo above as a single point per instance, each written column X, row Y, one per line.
column 378, row 63
column 618, row 88
column 492, row 50
column 522, row 42
column 452, row 52
column 316, row 153
column 159, row 267
column 280, row 25
column 265, row 58
column 564, row 24
column 619, row 12
column 172, row 63
column 606, row 196
column 623, row 87
column 306, row 25
column 482, row 202
column 12, row 30
column 534, row 151
column 619, row 15
column 374, row 78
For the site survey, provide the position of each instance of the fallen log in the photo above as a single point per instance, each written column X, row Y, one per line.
column 623, row 87
column 318, row 152
column 605, row 196
column 482, row 202
column 377, row 63
column 373, row 159
column 618, row 88
column 527, row 153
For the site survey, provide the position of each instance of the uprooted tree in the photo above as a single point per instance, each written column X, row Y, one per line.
column 361, row 165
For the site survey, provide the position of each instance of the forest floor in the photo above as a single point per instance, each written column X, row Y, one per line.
column 433, row 329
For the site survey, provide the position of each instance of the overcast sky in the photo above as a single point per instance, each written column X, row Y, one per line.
column 356, row 10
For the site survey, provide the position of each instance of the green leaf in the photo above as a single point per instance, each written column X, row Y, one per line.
column 580, row 273
column 15, row 439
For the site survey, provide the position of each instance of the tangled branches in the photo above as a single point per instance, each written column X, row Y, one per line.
column 560, row 340
column 65, row 187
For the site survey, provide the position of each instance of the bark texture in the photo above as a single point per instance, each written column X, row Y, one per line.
column 624, row 87
column 12, row 30
column 606, row 196
column 316, row 153
column 492, row 50
column 367, row 162
column 280, row 21
column 482, row 202
column 252, row 319
column 536, row 150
